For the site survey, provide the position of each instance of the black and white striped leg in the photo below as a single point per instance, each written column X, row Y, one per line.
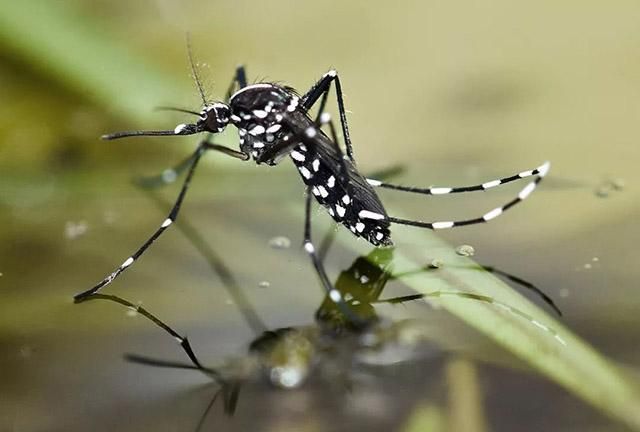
column 539, row 171
column 173, row 214
column 524, row 193
column 239, row 79
column 321, row 89
column 182, row 340
column 333, row 293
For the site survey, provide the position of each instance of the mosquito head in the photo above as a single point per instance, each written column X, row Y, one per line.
column 214, row 117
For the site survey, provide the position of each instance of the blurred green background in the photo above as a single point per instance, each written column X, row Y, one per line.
column 458, row 92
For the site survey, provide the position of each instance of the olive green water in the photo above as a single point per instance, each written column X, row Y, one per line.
column 457, row 92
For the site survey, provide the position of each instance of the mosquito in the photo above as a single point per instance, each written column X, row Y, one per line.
column 274, row 121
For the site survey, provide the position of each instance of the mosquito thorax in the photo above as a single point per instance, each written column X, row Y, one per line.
column 214, row 117
column 258, row 111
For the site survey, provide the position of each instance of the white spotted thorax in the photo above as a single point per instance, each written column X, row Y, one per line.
column 263, row 114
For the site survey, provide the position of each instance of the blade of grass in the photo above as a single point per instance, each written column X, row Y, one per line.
column 574, row 365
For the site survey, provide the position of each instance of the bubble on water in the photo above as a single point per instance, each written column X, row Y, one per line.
column 280, row 242
column 436, row 263
column 169, row 175
column 609, row 185
column 617, row 184
column 465, row 250
column 564, row 292
column 587, row 266
column 595, row 259
column 264, row 284
column 602, row 191
column 73, row 230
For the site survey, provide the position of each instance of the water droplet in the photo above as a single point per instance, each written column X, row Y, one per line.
column 73, row 230
column 587, row 266
column 595, row 259
column 280, row 242
column 436, row 263
column 264, row 284
column 465, row 250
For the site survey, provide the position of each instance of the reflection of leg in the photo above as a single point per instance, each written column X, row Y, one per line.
column 218, row 266
column 182, row 340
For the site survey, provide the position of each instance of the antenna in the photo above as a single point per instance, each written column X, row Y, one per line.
column 194, row 71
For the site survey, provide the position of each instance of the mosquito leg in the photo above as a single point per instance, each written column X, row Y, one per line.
column 321, row 88
column 539, row 171
column 173, row 214
column 524, row 193
column 240, row 78
column 330, row 290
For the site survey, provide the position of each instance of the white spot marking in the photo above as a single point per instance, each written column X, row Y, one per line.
column 544, row 168
column 297, row 156
column 492, row 183
column 525, row 174
column 310, row 132
column 278, row 117
column 242, row 132
column 440, row 191
column 331, row 73
column 335, row 295
column 373, row 182
column 315, row 190
column 366, row 214
column 442, row 225
column 526, row 191
column 258, row 144
column 305, row 172
column 341, row 210
column 250, row 87
column 273, row 129
column 235, row 118
column 259, row 113
column 331, row 212
column 353, row 229
column 166, row 223
column 346, row 199
column 316, row 165
column 331, row 181
column 302, row 147
column 323, row 191
column 379, row 236
column 325, row 118
column 127, row 263
column 309, row 248
column 493, row 214
column 360, row 226
column 179, row 128
column 257, row 130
